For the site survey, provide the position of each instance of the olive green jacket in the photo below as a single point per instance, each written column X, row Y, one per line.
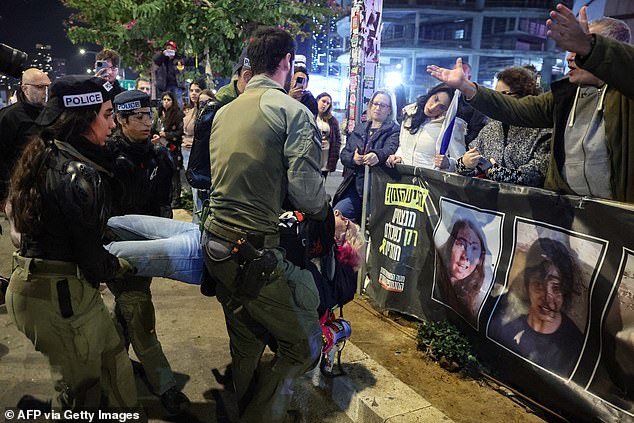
column 612, row 62
column 227, row 93
column 265, row 148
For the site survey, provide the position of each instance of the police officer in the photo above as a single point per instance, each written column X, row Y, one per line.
column 264, row 147
column 141, row 185
column 59, row 204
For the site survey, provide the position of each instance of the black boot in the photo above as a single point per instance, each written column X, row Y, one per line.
column 174, row 401
column 4, row 285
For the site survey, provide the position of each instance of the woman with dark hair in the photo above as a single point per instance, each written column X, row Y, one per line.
column 191, row 111
column 58, row 204
column 421, row 136
column 330, row 134
column 168, row 131
column 370, row 144
column 506, row 153
column 545, row 335
column 461, row 269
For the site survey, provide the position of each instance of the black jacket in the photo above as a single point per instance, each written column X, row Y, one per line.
column 16, row 127
column 383, row 142
column 142, row 177
column 75, row 209
column 167, row 73
column 309, row 101
column 199, row 168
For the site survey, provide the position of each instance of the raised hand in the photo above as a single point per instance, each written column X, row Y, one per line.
column 455, row 78
column 568, row 33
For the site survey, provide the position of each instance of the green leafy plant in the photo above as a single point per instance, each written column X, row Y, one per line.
column 187, row 199
column 209, row 30
column 444, row 343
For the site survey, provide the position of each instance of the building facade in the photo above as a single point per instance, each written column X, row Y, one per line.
column 490, row 35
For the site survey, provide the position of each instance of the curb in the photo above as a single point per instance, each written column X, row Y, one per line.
column 369, row 393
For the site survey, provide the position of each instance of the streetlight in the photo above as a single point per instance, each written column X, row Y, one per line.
column 83, row 51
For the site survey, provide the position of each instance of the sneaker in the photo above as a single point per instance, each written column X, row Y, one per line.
column 174, row 401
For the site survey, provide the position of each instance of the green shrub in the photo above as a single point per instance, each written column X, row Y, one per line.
column 187, row 200
column 444, row 343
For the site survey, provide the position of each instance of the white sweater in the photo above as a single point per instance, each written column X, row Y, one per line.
column 420, row 148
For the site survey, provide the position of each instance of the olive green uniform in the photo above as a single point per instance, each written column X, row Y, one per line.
column 53, row 297
column 265, row 147
column 85, row 352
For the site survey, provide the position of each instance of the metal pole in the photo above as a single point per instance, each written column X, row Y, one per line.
column 364, row 205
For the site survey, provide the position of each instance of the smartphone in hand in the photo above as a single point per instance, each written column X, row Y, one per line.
column 100, row 64
column 484, row 164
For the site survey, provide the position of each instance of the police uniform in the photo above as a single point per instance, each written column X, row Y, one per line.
column 53, row 297
column 142, row 185
column 265, row 148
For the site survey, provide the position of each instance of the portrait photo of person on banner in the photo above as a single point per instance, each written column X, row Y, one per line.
column 543, row 312
column 613, row 380
column 468, row 245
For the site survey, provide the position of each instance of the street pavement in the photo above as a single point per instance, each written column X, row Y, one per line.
column 194, row 338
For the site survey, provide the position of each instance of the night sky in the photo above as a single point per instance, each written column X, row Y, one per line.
column 24, row 23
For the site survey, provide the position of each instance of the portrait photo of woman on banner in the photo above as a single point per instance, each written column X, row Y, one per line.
column 467, row 244
column 614, row 378
column 542, row 313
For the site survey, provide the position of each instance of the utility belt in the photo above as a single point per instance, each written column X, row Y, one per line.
column 36, row 266
column 230, row 233
column 50, row 279
column 252, row 255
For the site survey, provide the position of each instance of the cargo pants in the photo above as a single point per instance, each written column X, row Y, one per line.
column 285, row 309
column 66, row 320
column 135, row 318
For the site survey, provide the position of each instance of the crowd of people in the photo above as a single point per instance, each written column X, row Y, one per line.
column 89, row 177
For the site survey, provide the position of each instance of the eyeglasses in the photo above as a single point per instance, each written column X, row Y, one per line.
column 511, row 93
column 469, row 247
column 140, row 116
column 39, row 86
column 380, row 106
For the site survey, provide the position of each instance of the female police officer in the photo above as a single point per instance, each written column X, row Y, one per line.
column 59, row 204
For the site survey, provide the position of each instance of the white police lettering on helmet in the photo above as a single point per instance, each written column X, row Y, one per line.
column 82, row 100
column 130, row 105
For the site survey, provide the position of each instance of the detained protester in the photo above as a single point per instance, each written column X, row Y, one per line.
column 284, row 150
column 590, row 111
column 141, row 184
column 420, row 136
column 369, row 144
column 59, row 203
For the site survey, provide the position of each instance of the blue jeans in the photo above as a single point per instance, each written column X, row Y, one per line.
column 159, row 247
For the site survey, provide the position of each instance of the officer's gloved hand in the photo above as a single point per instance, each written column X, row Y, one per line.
column 125, row 269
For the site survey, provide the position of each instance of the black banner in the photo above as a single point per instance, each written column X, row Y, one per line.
column 542, row 284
